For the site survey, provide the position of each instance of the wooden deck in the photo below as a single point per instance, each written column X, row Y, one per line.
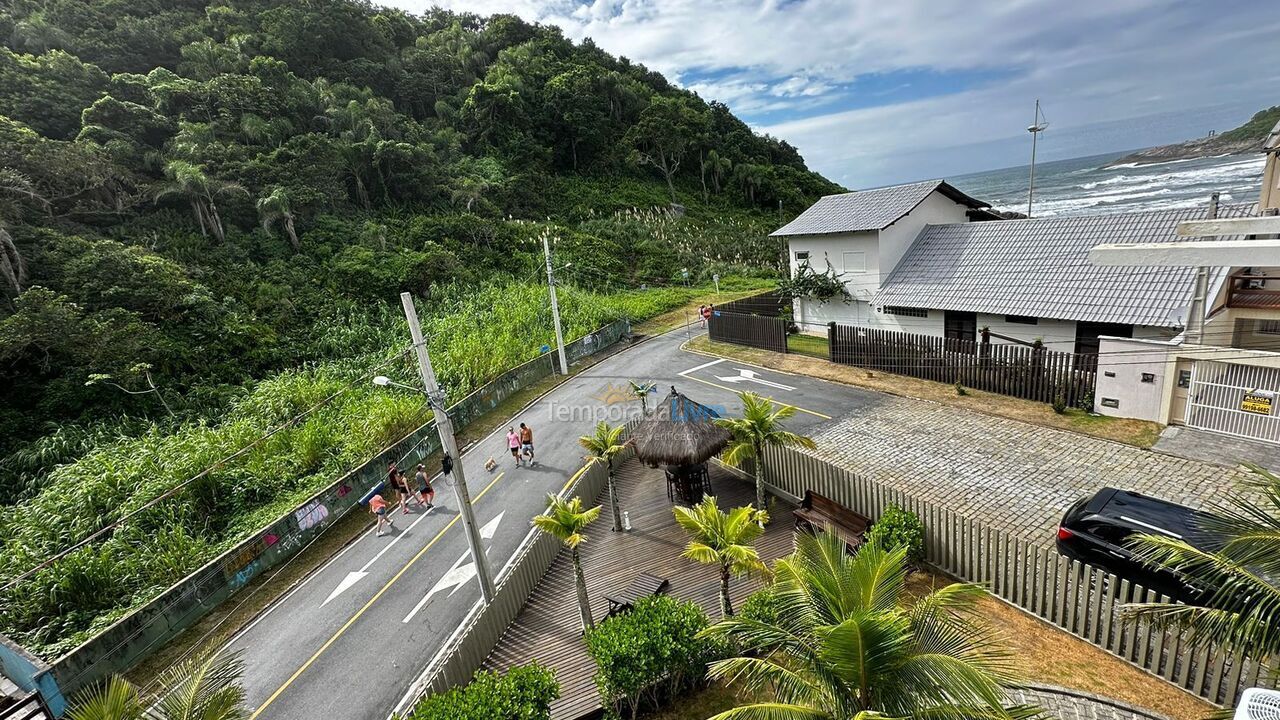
column 547, row 629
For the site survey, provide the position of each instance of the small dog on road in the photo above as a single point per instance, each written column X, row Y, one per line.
column 490, row 464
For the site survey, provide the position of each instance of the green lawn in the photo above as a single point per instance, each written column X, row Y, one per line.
column 808, row 345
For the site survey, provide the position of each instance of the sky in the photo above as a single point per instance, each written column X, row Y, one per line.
column 874, row 92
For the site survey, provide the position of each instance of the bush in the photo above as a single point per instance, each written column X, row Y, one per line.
column 651, row 653
column 1060, row 403
column 760, row 606
column 1086, row 401
column 898, row 527
column 960, row 389
column 524, row 693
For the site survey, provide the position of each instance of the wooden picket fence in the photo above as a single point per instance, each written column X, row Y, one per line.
column 1030, row 373
column 1076, row 597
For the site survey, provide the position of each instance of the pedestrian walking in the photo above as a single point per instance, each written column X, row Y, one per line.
column 392, row 485
column 426, row 493
column 378, row 506
column 702, row 316
column 707, row 313
column 513, row 444
column 526, row 443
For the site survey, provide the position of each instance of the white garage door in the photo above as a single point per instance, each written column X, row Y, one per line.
column 1239, row 400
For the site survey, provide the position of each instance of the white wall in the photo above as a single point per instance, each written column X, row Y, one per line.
column 1121, row 365
column 895, row 240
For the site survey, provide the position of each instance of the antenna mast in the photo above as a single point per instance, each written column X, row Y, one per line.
column 1038, row 124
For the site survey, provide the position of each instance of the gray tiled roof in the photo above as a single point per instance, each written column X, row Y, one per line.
column 1041, row 268
column 868, row 209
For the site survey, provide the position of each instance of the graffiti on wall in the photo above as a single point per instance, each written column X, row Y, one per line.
column 311, row 515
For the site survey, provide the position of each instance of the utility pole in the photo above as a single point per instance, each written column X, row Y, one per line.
column 444, row 426
column 1037, row 126
column 555, row 306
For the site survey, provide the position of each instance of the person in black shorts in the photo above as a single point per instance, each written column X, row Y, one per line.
column 426, row 493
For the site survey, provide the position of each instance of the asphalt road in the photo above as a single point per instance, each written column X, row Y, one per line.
column 351, row 638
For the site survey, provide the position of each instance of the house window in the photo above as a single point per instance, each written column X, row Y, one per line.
column 1021, row 319
column 905, row 311
column 802, row 255
column 1269, row 327
column 854, row 262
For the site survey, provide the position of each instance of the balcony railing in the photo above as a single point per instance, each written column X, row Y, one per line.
column 1248, row 290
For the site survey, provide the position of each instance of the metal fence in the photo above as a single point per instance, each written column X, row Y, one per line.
column 1030, row 373
column 151, row 626
column 755, row 321
column 1076, row 597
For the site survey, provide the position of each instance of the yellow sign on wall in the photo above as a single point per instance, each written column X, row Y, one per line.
column 1256, row 403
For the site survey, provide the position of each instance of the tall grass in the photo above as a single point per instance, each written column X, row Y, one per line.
column 474, row 334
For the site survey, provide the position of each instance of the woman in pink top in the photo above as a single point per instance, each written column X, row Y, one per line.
column 513, row 444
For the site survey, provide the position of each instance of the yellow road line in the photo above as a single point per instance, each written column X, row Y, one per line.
column 735, row 391
column 574, row 479
column 346, row 626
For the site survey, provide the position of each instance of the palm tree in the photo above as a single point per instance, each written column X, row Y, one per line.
column 759, row 427
column 567, row 521
column 602, row 447
column 723, row 539
column 845, row 644
column 1242, row 608
column 190, row 182
column 642, row 391
column 720, row 167
column 205, row 687
column 275, row 208
column 14, row 187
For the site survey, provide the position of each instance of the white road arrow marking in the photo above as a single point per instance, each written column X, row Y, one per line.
column 458, row 574
column 751, row 376
column 354, row 577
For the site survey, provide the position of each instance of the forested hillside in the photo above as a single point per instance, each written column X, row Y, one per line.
column 207, row 210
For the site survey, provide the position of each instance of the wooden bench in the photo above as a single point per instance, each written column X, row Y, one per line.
column 819, row 512
column 642, row 587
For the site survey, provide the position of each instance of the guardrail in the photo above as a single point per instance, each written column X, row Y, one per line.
column 147, row 628
column 1078, row 598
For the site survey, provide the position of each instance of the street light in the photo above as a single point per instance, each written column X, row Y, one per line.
column 382, row 381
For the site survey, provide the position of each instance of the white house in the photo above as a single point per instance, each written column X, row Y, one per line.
column 862, row 236
column 925, row 266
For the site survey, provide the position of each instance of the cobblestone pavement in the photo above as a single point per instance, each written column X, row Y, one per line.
column 1071, row 705
column 1006, row 473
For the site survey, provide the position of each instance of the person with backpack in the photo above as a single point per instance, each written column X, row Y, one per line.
column 426, row 493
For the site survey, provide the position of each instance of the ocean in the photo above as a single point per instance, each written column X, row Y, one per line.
column 1086, row 186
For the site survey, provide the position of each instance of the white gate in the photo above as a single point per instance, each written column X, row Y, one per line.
column 1239, row 400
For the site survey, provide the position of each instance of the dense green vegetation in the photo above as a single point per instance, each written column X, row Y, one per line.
column 524, row 692
column 208, row 209
column 1258, row 127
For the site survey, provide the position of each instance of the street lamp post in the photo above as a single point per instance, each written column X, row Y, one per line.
column 444, row 426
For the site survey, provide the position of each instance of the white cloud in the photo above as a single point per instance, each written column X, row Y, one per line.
column 1093, row 61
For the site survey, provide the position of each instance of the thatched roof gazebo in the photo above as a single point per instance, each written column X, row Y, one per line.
column 678, row 431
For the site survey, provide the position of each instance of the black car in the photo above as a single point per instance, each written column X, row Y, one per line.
column 1097, row 529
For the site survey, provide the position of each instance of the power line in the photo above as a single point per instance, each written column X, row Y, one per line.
column 203, row 473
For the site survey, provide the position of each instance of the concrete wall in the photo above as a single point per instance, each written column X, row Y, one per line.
column 1122, row 362
column 1121, row 390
